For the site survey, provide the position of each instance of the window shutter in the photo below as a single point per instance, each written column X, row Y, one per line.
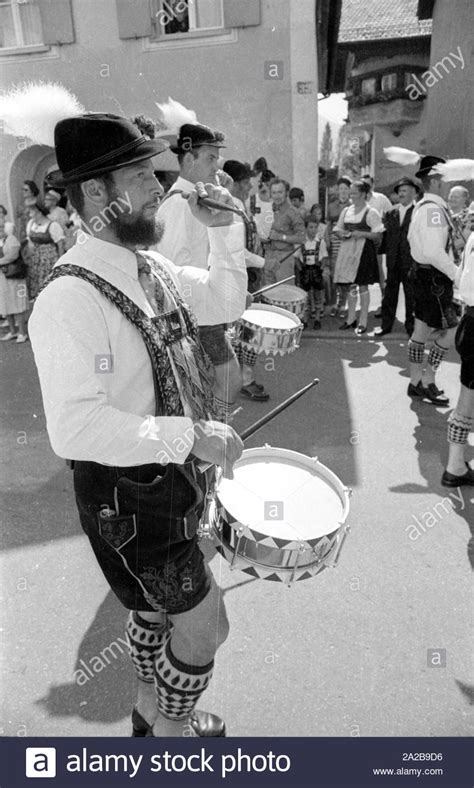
column 241, row 13
column 134, row 18
column 56, row 21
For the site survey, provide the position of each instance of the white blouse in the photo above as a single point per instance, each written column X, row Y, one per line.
column 372, row 218
column 55, row 230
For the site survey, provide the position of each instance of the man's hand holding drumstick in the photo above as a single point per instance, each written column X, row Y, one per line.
column 211, row 216
column 218, row 444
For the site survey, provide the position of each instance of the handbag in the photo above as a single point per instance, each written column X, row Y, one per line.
column 17, row 269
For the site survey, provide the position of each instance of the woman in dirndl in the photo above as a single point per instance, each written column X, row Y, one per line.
column 360, row 227
column 45, row 244
column 13, row 292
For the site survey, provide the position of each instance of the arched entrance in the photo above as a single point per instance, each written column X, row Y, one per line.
column 31, row 164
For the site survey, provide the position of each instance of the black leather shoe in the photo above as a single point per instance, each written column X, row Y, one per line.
column 139, row 724
column 206, row 724
column 435, row 395
column 451, row 480
column 416, row 392
column 361, row 329
column 345, row 326
column 202, row 722
column 382, row 331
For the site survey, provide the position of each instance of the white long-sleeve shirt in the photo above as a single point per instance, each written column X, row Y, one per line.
column 465, row 274
column 428, row 234
column 186, row 242
column 185, row 239
column 94, row 369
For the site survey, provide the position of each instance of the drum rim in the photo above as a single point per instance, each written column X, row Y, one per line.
column 264, row 572
column 272, row 308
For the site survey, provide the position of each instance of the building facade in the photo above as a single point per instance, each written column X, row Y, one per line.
column 247, row 67
column 450, row 95
column 383, row 50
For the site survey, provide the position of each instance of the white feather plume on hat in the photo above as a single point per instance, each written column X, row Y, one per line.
column 402, row 156
column 174, row 115
column 32, row 110
column 456, row 170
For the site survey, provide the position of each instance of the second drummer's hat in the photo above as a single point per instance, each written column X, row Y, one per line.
column 194, row 135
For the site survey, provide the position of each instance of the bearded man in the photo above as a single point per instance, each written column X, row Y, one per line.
column 128, row 399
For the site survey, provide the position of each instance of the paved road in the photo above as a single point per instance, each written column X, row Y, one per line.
column 343, row 654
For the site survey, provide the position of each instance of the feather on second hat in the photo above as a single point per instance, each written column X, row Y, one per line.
column 181, row 123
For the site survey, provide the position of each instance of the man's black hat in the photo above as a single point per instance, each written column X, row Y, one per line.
column 238, row 170
column 95, row 143
column 426, row 165
column 405, row 181
column 193, row 135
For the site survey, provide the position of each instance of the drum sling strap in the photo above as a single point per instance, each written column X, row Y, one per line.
column 157, row 335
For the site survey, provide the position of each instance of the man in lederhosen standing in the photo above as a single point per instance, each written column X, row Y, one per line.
column 430, row 239
column 128, row 398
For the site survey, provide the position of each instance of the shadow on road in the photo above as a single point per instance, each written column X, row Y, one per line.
column 102, row 687
column 430, row 437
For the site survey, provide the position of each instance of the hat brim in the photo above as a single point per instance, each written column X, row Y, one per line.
column 412, row 185
column 147, row 151
column 426, row 171
column 177, row 149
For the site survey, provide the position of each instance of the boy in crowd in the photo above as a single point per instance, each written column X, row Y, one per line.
column 312, row 269
column 296, row 196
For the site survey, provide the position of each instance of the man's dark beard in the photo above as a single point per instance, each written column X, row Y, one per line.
column 134, row 228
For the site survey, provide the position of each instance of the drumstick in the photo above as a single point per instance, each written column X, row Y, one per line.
column 257, row 425
column 275, row 284
column 218, row 206
column 203, row 466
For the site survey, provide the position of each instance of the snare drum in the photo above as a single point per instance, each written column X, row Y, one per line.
column 283, row 516
column 268, row 329
column 287, row 297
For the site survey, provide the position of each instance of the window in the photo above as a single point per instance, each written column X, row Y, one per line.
column 20, row 24
column 368, row 87
column 389, row 82
column 171, row 17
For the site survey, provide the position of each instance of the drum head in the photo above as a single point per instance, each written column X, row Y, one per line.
column 270, row 317
column 285, row 293
column 284, row 495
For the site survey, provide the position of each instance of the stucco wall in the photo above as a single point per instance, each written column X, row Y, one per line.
column 223, row 82
column 451, row 97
